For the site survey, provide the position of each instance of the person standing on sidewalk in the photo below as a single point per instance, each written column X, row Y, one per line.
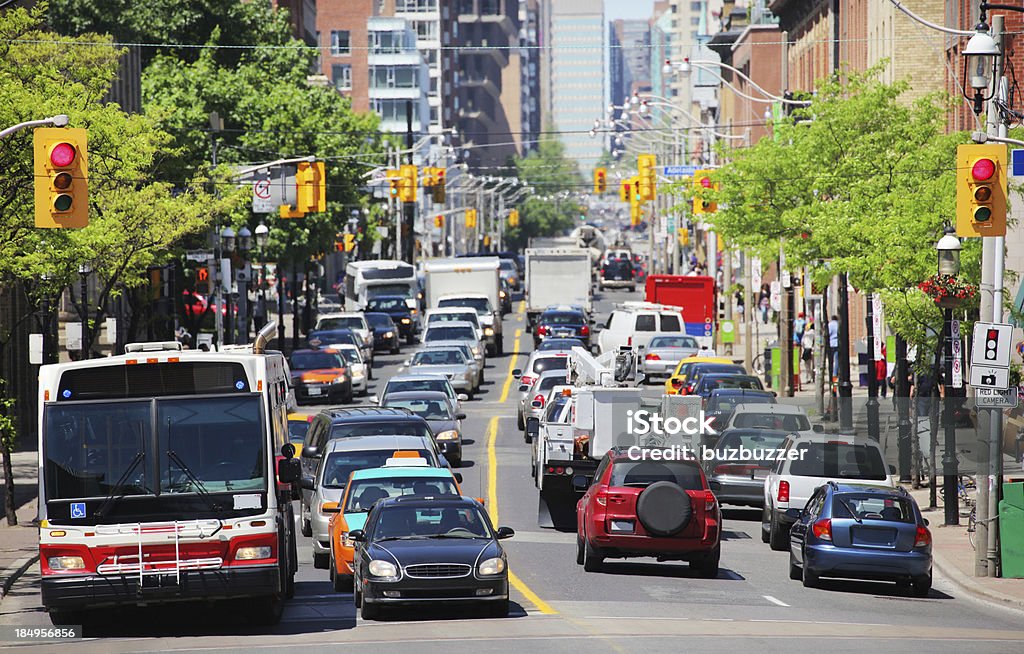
column 881, row 370
column 833, row 343
column 807, row 343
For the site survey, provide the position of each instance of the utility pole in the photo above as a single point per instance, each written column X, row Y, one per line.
column 409, row 208
column 902, row 392
column 872, row 406
column 845, row 386
column 785, row 324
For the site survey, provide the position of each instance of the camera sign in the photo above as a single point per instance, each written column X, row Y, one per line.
column 990, row 377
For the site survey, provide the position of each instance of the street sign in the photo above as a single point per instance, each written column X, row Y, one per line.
column 776, row 295
column 990, row 377
column 261, row 201
column 678, row 171
column 957, row 355
column 787, row 279
column 1017, row 163
column 876, row 325
column 994, row 398
column 201, row 256
column 992, row 344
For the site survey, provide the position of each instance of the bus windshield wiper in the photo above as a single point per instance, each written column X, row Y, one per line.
column 196, row 482
column 117, row 491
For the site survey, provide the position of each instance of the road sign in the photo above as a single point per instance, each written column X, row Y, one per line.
column 201, row 256
column 990, row 377
column 994, row 398
column 1017, row 164
column 957, row 355
column 775, row 300
column 992, row 344
column 678, row 171
column 261, row 201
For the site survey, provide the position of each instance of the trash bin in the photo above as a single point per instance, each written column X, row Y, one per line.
column 1011, row 530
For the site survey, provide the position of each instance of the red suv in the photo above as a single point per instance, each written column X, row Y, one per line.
column 642, row 504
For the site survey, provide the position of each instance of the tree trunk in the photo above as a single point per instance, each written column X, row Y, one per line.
column 12, row 517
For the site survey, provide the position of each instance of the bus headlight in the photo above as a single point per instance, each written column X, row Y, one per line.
column 492, row 567
column 380, row 568
column 66, row 563
column 253, row 553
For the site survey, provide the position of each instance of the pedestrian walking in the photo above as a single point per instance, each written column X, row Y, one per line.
column 833, row 343
column 881, row 373
column 807, row 342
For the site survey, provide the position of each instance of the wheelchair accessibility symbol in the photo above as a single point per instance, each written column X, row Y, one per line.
column 78, row 509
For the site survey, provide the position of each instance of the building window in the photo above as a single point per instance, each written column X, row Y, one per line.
column 394, row 77
column 386, row 43
column 695, row 6
column 342, row 76
column 695, row 20
column 341, row 42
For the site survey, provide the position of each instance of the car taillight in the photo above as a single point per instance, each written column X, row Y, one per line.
column 709, row 501
column 822, row 529
column 923, row 537
column 584, row 330
column 602, row 498
column 652, row 357
column 539, row 398
column 527, row 380
column 783, row 495
column 541, row 330
column 629, row 341
column 677, row 383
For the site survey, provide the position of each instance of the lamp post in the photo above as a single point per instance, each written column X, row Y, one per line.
column 979, row 64
column 948, row 250
column 227, row 241
column 84, row 271
column 243, row 279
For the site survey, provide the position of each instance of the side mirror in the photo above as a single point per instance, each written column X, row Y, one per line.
column 462, row 397
column 676, row 382
column 818, row 428
column 307, row 483
column 532, row 426
column 457, row 476
column 504, row 532
column 289, row 470
column 580, row 483
column 329, row 507
column 926, row 523
column 774, row 394
column 517, row 373
column 460, row 416
column 794, row 514
column 892, row 469
column 357, row 535
column 288, row 451
column 375, row 399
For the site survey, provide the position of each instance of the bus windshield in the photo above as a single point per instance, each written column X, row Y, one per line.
column 158, row 448
column 375, row 290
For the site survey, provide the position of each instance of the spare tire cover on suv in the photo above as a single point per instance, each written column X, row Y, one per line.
column 664, row 508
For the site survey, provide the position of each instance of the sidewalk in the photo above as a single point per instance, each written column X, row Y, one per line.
column 19, row 545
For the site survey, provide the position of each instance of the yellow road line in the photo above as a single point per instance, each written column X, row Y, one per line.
column 512, row 362
column 492, row 486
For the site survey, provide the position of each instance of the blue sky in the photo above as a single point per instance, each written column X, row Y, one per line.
column 628, row 9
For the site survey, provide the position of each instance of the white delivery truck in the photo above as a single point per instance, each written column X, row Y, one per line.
column 365, row 280
column 556, row 276
column 468, row 282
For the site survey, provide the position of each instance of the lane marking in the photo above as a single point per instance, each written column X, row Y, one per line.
column 492, row 484
column 775, row 600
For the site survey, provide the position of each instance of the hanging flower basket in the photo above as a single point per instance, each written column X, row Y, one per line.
column 947, row 291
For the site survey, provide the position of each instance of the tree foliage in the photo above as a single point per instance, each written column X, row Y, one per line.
column 551, row 208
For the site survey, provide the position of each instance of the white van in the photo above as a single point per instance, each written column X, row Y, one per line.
column 634, row 324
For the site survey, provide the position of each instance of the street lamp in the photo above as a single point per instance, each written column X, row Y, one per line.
column 948, row 260
column 227, row 236
column 262, row 233
column 979, row 64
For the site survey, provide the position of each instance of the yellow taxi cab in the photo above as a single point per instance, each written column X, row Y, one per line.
column 676, row 383
column 298, row 424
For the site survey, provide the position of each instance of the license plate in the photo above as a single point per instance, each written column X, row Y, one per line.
column 564, row 334
column 761, row 473
column 314, row 390
column 622, row 525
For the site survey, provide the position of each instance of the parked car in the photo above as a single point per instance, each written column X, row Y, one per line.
column 736, row 479
column 451, row 363
column 721, row 402
column 618, row 273
column 710, row 381
column 676, row 383
column 562, row 324
column 861, row 532
column 648, row 508
column 334, row 338
column 342, row 457
column 385, row 332
column 663, row 354
column 398, row 477
column 445, row 422
column 466, row 564
column 320, row 376
column 818, row 459
column 406, row 319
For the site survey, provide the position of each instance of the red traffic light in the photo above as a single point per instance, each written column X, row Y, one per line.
column 983, row 169
column 705, row 182
column 62, row 155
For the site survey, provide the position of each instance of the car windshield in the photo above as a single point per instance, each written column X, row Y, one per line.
column 438, row 358
column 732, row 381
column 673, row 341
column 426, row 409
column 564, row 344
column 347, row 322
column 866, row 506
column 788, row 422
column 408, row 427
column 561, row 319
column 839, row 460
column 643, row 473
column 481, row 305
column 415, row 522
column 448, row 333
column 379, row 320
column 386, row 304
column 388, row 289
column 550, row 363
column 750, row 440
column 728, row 402
column 362, row 493
column 507, row 264
column 339, row 465
column 315, row 360
column 402, row 386
column 452, row 317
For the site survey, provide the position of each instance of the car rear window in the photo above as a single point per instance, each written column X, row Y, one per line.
column 733, row 381
column 547, row 383
column 550, row 363
column 670, row 323
column 645, row 323
column 559, row 344
column 381, row 428
column 750, row 440
column 771, row 420
column 673, row 341
column 340, row 465
column 561, row 318
column 447, row 333
column 863, row 506
column 645, row 473
column 839, row 460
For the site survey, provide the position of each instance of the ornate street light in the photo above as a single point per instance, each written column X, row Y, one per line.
column 227, row 236
column 262, row 233
column 948, row 249
column 979, row 66
column 244, row 239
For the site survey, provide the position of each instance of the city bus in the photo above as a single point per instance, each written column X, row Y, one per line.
column 365, row 280
column 165, row 476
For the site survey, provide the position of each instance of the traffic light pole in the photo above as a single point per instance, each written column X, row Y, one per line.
column 408, row 239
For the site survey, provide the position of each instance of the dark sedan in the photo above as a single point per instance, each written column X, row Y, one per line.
column 425, row 551
column 562, row 324
column 385, row 331
column 712, row 381
column 436, row 408
column 403, row 317
column 335, row 337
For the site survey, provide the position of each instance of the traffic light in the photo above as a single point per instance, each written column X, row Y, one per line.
column 513, row 218
column 311, row 187
column 439, row 221
column 981, row 189
column 408, row 184
column 636, row 215
column 600, row 181
column 626, row 190
column 428, row 176
column 701, row 182
column 350, row 242
column 61, row 168
column 645, row 164
column 440, row 182
column 394, row 178
column 470, row 218
column 684, row 237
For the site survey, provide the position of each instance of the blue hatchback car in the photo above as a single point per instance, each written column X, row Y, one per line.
column 859, row 531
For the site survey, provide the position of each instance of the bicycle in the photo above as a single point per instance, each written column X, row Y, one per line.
column 972, row 525
column 757, row 365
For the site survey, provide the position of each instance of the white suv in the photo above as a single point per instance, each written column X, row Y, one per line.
column 634, row 324
column 816, row 459
column 353, row 320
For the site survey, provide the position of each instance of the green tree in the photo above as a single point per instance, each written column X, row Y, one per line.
column 552, row 207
